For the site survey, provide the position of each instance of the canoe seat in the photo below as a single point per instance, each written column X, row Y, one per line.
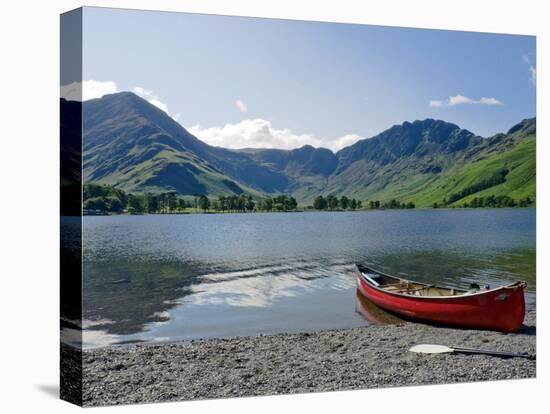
column 392, row 288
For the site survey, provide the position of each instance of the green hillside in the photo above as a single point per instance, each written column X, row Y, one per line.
column 133, row 146
column 425, row 178
column 519, row 182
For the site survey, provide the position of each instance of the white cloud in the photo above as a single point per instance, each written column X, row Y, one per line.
column 253, row 133
column 240, row 105
column 463, row 100
column 259, row 133
column 159, row 104
column 345, row 141
column 436, row 104
column 533, row 72
column 151, row 98
column 459, row 100
column 90, row 89
column 138, row 90
column 532, row 69
column 489, row 101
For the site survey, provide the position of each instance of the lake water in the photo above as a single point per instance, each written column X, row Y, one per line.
column 164, row 278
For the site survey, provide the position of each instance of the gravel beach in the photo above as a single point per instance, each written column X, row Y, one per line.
column 375, row 356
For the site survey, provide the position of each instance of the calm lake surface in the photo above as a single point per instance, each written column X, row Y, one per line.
column 164, row 278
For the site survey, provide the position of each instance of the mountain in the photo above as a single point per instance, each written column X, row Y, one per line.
column 406, row 154
column 502, row 165
column 296, row 163
column 430, row 161
column 419, row 139
column 135, row 146
column 305, row 167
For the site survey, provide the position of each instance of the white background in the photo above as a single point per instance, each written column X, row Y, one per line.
column 29, row 265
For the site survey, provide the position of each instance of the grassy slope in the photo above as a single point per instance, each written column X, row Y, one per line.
column 147, row 151
column 132, row 180
column 409, row 185
column 520, row 182
column 426, row 189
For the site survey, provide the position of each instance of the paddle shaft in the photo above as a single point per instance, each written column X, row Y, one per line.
column 495, row 353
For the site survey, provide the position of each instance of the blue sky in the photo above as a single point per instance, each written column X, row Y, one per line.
column 238, row 82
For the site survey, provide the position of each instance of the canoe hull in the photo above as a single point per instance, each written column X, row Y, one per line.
column 501, row 309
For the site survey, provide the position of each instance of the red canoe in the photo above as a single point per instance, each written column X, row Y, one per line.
column 500, row 309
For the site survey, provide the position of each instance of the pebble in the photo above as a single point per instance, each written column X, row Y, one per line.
column 370, row 357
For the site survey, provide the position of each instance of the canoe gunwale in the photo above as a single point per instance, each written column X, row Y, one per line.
column 520, row 284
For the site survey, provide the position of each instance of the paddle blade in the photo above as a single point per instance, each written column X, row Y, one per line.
column 430, row 349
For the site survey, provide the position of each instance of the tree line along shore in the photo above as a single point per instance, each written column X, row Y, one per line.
column 105, row 199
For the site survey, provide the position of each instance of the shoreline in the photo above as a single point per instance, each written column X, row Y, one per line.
column 185, row 213
column 371, row 357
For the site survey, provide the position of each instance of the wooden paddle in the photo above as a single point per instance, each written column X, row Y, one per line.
column 439, row 349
